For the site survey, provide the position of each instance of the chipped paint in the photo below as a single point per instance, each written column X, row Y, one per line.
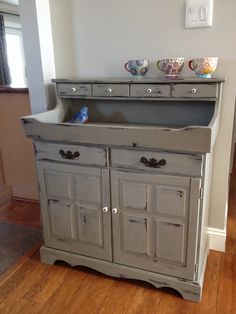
column 180, row 193
column 190, row 292
column 136, row 221
column 85, row 219
column 25, row 121
column 159, row 283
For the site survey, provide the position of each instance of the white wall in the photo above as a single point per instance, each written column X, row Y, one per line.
column 105, row 34
column 38, row 48
column 63, row 32
column 110, row 32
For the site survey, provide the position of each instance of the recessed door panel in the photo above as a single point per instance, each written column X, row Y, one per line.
column 90, row 226
column 134, row 234
column 172, row 200
column 88, row 188
column 133, row 195
column 60, row 220
column 57, row 184
column 170, row 241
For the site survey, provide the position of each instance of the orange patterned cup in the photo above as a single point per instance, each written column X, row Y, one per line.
column 204, row 66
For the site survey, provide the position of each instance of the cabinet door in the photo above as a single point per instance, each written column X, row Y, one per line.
column 155, row 225
column 72, row 200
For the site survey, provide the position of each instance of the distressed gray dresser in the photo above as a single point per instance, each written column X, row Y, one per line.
column 127, row 193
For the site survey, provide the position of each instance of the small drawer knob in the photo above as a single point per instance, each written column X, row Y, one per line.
column 109, row 90
column 149, row 90
column 105, row 209
column 114, row 210
column 194, row 90
column 73, row 89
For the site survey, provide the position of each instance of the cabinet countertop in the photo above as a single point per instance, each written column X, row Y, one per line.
column 140, row 80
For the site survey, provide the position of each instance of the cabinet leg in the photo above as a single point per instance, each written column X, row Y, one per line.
column 47, row 257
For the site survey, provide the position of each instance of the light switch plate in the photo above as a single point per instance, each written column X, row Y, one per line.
column 199, row 13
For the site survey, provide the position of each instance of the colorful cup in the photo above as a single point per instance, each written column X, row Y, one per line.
column 171, row 67
column 137, row 67
column 203, row 66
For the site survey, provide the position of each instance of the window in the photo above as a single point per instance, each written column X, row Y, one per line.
column 14, row 49
column 15, row 56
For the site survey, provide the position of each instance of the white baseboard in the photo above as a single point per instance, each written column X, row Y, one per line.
column 217, row 239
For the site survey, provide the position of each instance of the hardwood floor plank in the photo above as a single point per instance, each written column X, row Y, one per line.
column 13, row 290
column 23, row 306
column 65, row 295
column 91, row 294
column 119, row 298
column 227, row 285
column 5, row 276
column 145, row 300
column 22, row 213
column 47, row 284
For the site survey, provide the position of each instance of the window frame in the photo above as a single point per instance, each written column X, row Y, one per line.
column 10, row 30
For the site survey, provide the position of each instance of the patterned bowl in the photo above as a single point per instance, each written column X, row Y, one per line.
column 137, row 67
column 204, row 66
column 171, row 66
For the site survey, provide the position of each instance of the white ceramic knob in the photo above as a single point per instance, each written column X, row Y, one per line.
column 149, row 90
column 114, row 210
column 105, row 209
column 194, row 91
column 73, row 89
column 109, row 90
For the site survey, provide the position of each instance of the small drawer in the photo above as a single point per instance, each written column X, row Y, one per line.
column 195, row 90
column 150, row 90
column 190, row 165
column 74, row 90
column 71, row 153
column 111, row 90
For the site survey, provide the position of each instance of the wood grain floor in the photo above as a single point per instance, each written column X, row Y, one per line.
column 38, row 288
column 22, row 213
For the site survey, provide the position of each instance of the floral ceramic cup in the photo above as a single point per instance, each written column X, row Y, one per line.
column 204, row 66
column 137, row 67
column 171, row 67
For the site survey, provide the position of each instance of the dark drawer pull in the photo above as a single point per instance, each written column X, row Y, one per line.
column 68, row 154
column 152, row 162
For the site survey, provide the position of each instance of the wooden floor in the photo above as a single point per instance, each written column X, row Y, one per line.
column 33, row 287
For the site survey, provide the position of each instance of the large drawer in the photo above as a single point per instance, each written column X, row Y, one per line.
column 195, row 90
column 111, row 90
column 190, row 165
column 150, row 90
column 71, row 153
column 74, row 90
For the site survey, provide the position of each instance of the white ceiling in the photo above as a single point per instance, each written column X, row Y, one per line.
column 14, row 2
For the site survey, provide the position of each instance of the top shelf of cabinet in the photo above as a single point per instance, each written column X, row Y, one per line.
column 144, row 113
column 140, row 80
column 146, row 89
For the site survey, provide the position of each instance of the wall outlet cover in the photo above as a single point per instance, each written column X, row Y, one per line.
column 199, row 13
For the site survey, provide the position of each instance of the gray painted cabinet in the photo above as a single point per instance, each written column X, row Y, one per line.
column 128, row 193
